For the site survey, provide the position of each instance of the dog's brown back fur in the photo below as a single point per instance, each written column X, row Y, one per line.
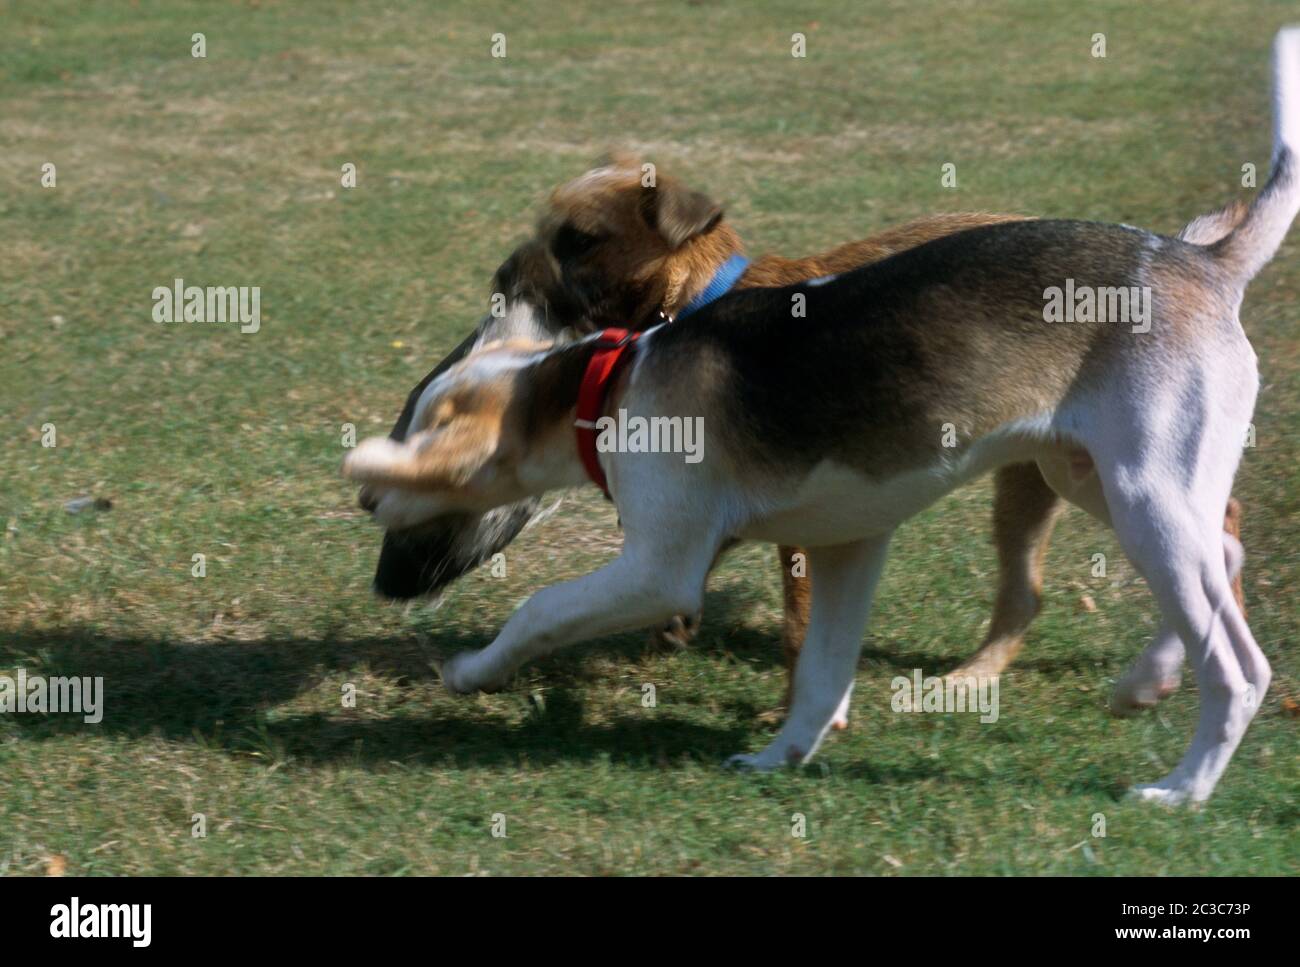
column 773, row 270
column 626, row 250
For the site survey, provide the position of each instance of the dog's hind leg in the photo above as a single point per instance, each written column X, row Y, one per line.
column 1175, row 538
column 1185, row 569
column 846, row 580
column 1156, row 674
column 1158, row 671
column 1025, row 510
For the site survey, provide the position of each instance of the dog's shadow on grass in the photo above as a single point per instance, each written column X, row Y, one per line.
column 230, row 696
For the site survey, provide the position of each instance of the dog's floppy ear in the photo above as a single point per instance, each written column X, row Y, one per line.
column 442, row 460
column 677, row 213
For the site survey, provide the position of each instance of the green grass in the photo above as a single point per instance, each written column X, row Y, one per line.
column 224, row 692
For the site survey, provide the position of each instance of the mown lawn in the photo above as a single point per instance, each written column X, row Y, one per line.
column 224, row 693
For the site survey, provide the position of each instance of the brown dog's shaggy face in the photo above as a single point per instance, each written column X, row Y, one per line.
column 625, row 243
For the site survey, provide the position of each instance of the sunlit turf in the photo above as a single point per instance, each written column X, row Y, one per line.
column 225, row 694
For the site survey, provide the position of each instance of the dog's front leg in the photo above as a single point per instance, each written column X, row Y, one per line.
column 846, row 579
column 633, row 591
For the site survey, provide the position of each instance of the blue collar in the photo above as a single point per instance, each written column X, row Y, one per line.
column 726, row 276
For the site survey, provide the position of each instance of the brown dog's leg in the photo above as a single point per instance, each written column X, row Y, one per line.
column 1232, row 524
column 796, row 591
column 1024, row 511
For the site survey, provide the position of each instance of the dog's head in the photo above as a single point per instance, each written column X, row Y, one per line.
column 626, row 241
column 611, row 248
column 492, row 430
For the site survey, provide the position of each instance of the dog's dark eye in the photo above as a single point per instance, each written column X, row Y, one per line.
column 571, row 242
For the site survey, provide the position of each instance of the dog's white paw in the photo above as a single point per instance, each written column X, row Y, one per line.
column 749, row 763
column 1136, row 694
column 775, row 756
column 1165, row 793
column 457, row 675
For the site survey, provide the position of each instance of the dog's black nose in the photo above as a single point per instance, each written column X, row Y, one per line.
column 367, row 501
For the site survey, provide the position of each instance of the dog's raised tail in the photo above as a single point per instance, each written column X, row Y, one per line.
column 1263, row 226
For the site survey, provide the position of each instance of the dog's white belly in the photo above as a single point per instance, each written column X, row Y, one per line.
column 836, row 504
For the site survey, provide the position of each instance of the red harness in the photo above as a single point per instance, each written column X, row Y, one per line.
column 614, row 348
